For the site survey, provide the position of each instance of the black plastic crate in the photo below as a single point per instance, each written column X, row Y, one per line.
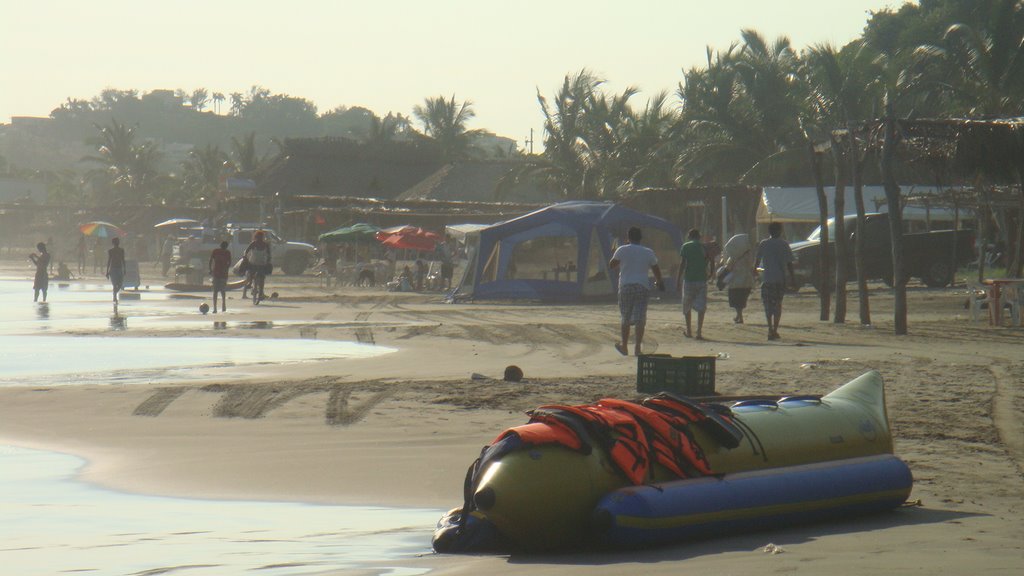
column 687, row 376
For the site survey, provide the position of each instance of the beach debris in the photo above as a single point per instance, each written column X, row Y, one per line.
column 723, row 356
column 513, row 373
column 273, row 296
column 478, row 376
column 809, row 365
column 770, row 548
column 204, row 308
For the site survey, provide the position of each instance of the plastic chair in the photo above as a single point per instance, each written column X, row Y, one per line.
column 1012, row 295
column 977, row 294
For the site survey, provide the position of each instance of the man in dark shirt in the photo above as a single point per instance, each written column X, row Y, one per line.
column 115, row 267
column 220, row 263
column 775, row 258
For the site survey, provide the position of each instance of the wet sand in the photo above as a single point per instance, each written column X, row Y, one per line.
column 399, row 430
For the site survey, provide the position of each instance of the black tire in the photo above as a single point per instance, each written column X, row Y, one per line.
column 295, row 263
column 938, row 274
column 816, row 281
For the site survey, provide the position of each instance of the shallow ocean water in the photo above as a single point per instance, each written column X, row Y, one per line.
column 55, row 524
column 35, row 349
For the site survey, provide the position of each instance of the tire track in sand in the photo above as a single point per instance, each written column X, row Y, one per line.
column 1008, row 423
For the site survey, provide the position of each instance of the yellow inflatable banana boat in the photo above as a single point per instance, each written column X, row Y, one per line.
column 538, row 486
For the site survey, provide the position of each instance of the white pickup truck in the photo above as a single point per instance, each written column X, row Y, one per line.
column 291, row 257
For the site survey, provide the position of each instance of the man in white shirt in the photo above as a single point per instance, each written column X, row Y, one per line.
column 633, row 260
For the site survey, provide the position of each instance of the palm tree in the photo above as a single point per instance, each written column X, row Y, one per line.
column 444, row 121
column 594, row 142
column 115, row 147
column 243, row 154
column 718, row 129
column 237, row 103
column 984, row 66
column 840, row 93
column 202, row 171
column 218, row 99
column 131, row 170
column 646, row 152
column 199, row 99
column 563, row 164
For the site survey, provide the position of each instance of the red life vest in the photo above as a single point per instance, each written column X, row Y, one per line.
column 635, row 437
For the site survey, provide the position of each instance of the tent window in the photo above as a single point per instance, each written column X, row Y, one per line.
column 597, row 282
column 490, row 271
column 544, row 258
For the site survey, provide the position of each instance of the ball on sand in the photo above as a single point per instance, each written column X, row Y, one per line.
column 513, row 373
column 204, row 307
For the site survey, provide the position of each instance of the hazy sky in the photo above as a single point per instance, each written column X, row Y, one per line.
column 386, row 55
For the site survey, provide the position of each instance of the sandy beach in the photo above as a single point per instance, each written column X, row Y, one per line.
column 400, row 429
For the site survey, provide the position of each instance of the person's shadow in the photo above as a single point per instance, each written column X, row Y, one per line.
column 43, row 311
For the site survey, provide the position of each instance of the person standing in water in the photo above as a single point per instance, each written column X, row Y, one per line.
column 115, row 266
column 220, row 263
column 42, row 280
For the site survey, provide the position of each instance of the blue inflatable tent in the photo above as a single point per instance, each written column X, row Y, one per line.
column 561, row 252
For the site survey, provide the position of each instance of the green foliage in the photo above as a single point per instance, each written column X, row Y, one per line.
column 748, row 114
column 202, row 172
column 444, row 121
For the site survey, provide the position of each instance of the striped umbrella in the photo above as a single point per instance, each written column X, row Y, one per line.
column 101, row 230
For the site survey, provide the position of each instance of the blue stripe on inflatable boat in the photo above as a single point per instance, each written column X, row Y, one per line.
column 776, row 497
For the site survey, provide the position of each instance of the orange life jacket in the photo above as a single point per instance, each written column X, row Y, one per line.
column 635, row 437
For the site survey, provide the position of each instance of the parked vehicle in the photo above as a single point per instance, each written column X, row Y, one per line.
column 927, row 255
column 291, row 257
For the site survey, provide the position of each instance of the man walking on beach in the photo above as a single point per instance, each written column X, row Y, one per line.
column 220, row 263
column 115, row 267
column 693, row 273
column 775, row 257
column 633, row 260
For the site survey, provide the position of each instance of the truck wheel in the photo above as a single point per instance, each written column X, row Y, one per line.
column 938, row 275
column 295, row 263
column 817, row 281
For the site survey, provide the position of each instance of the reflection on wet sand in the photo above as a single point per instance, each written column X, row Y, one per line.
column 255, row 325
column 54, row 524
column 118, row 322
column 96, row 358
